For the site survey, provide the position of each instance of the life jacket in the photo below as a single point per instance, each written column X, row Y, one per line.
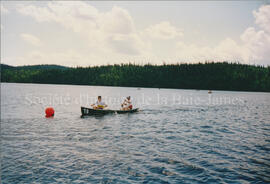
column 100, row 106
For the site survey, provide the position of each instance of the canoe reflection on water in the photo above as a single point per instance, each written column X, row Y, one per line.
column 90, row 112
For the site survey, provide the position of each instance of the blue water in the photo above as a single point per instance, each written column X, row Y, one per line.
column 179, row 136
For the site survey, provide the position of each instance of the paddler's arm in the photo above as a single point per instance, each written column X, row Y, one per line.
column 94, row 104
column 124, row 103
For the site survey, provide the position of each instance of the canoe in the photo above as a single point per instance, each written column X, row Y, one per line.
column 89, row 112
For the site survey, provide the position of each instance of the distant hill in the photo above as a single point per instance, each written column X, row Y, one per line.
column 32, row 67
column 4, row 66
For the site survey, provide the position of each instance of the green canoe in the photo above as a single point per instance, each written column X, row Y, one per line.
column 89, row 112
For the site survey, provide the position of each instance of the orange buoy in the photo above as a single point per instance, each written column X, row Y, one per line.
column 49, row 112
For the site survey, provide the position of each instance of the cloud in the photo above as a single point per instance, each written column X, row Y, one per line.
column 262, row 17
column 226, row 50
column 163, row 30
column 127, row 44
column 40, row 14
column 117, row 21
column 254, row 44
column 4, row 10
column 80, row 15
column 113, row 29
column 31, row 39
column 257, row 42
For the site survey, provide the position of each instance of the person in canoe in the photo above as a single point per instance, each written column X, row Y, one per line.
column 99, row 104
column 126, row 105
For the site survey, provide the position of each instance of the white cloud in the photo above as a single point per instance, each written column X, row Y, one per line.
column 4, row 10
column 126, row 44
column 78, row 16
column 258, row 41
column 112, row 30
column 163, row 30
column 262, row 17
column 226, row 50
column 41, row 14
column 31, row 39
column 117, row 21
column 254, row 45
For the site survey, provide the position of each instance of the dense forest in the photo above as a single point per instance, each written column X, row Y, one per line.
column 214, row 76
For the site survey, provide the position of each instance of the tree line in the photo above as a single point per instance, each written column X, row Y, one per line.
column 208, row 76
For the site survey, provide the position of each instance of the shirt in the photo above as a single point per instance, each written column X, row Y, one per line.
column 127, row 103
column 100, row 103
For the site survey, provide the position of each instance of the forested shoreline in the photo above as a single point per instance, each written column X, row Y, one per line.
column 207, row 76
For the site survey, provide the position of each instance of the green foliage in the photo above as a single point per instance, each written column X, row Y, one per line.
column 215, row 76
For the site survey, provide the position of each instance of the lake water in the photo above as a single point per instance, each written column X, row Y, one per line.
column 179, row 136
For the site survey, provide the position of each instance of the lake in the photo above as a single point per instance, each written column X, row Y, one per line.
column 179, row 136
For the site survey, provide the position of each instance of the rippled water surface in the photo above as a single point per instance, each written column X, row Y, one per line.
column 179, row 136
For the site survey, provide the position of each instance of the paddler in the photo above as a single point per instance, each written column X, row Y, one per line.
column 99, row 104
column 126, row 105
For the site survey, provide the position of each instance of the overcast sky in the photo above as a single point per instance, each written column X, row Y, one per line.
column 97, row 33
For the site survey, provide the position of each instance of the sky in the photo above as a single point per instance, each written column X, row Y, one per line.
column 90, row 33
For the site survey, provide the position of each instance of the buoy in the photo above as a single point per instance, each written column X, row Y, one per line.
column 49, row 112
